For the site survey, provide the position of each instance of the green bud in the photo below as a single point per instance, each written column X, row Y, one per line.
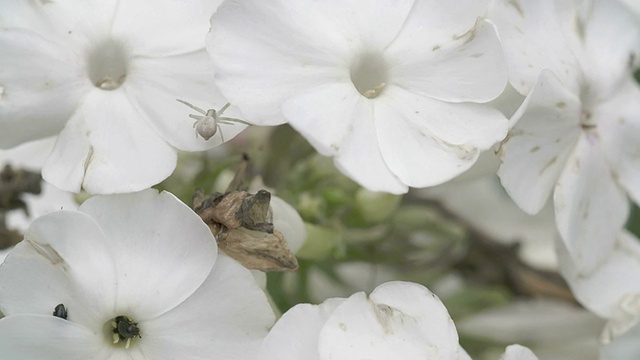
column 376, row 207
column 321, row 243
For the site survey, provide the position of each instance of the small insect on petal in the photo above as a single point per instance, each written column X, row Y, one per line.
column 60, row 311
column 206, row 128
column 208, row 124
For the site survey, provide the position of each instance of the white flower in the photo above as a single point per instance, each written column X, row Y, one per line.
column 104, row 75
column 518, row 352
column 612, row 291
column 577, row 132
column 143, row 259
column 399, row 320
column 31, row 156
column 535, row 322
column 468, row 198
column 390, row 89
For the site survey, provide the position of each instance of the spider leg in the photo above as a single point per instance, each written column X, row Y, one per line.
column 224, row 108
column 224, row 118
column 197, row 117
column 220, row 131
column 192, row 106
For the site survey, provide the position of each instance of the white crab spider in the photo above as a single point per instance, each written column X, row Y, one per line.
column 208, row 124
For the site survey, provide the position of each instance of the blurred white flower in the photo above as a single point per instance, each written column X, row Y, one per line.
column 31, row 156
column 518, row 352
column 576, row 133
column 138, row 277
column 393, row 90
column 104, row 76
column 470, row 197
column 399, row 320
column 612, row 291
column 535, row 323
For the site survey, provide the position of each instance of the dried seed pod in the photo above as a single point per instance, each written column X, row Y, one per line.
column 258, row 250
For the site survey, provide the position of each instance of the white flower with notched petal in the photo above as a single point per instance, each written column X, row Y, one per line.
column 105, row 76
column 399, row 320
column 133, row 276
column 577, row 132
column 390, row 89
column 612, row 291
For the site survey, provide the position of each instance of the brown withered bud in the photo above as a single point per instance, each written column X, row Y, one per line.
column 258, row 250
column 243, row 225
column 220, row 209
column 255, row 212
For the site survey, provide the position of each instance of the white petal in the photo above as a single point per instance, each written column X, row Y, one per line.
column 359, row 156
column 227, row 316
column 463, row 355
column 531, row 47
column 536, row 149
column 30, row 155
column 50, row 199
column 623, row 347
column 398, row 321
column 518, row 352
column 295, row 335
column 602, row 290
column 612, row 45
column 287, row 220
column 163, row 28
column 321, row 115
column 35, row 102
column 426, row 142
column 432, row 22
column 469, row 68
column 162, row 249
column 590, row 207
column 66, row 165
column 63, row 259
column 455, row 124
column 154, row 85
column 619, row 126
column 534, row 322
column 79, row 24
column 265, row 52
column 633, row 5
column 123, row 155
column 37, row 337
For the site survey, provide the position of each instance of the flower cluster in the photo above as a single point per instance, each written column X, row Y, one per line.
column 399, row 94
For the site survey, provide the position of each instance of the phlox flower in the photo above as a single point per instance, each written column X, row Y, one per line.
column 398, row 320
column 393, row 90
column 536, row 322
column 104, row 76
column 576, row 134
column 133, row 276
column 31, row 156
column 612, row 291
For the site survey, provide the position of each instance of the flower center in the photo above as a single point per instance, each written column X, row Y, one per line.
column 107, row 65
column 369, row 75
column 122, row 330
column 586, row 120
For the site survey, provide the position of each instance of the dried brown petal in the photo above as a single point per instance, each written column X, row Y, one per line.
column 258, row 250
